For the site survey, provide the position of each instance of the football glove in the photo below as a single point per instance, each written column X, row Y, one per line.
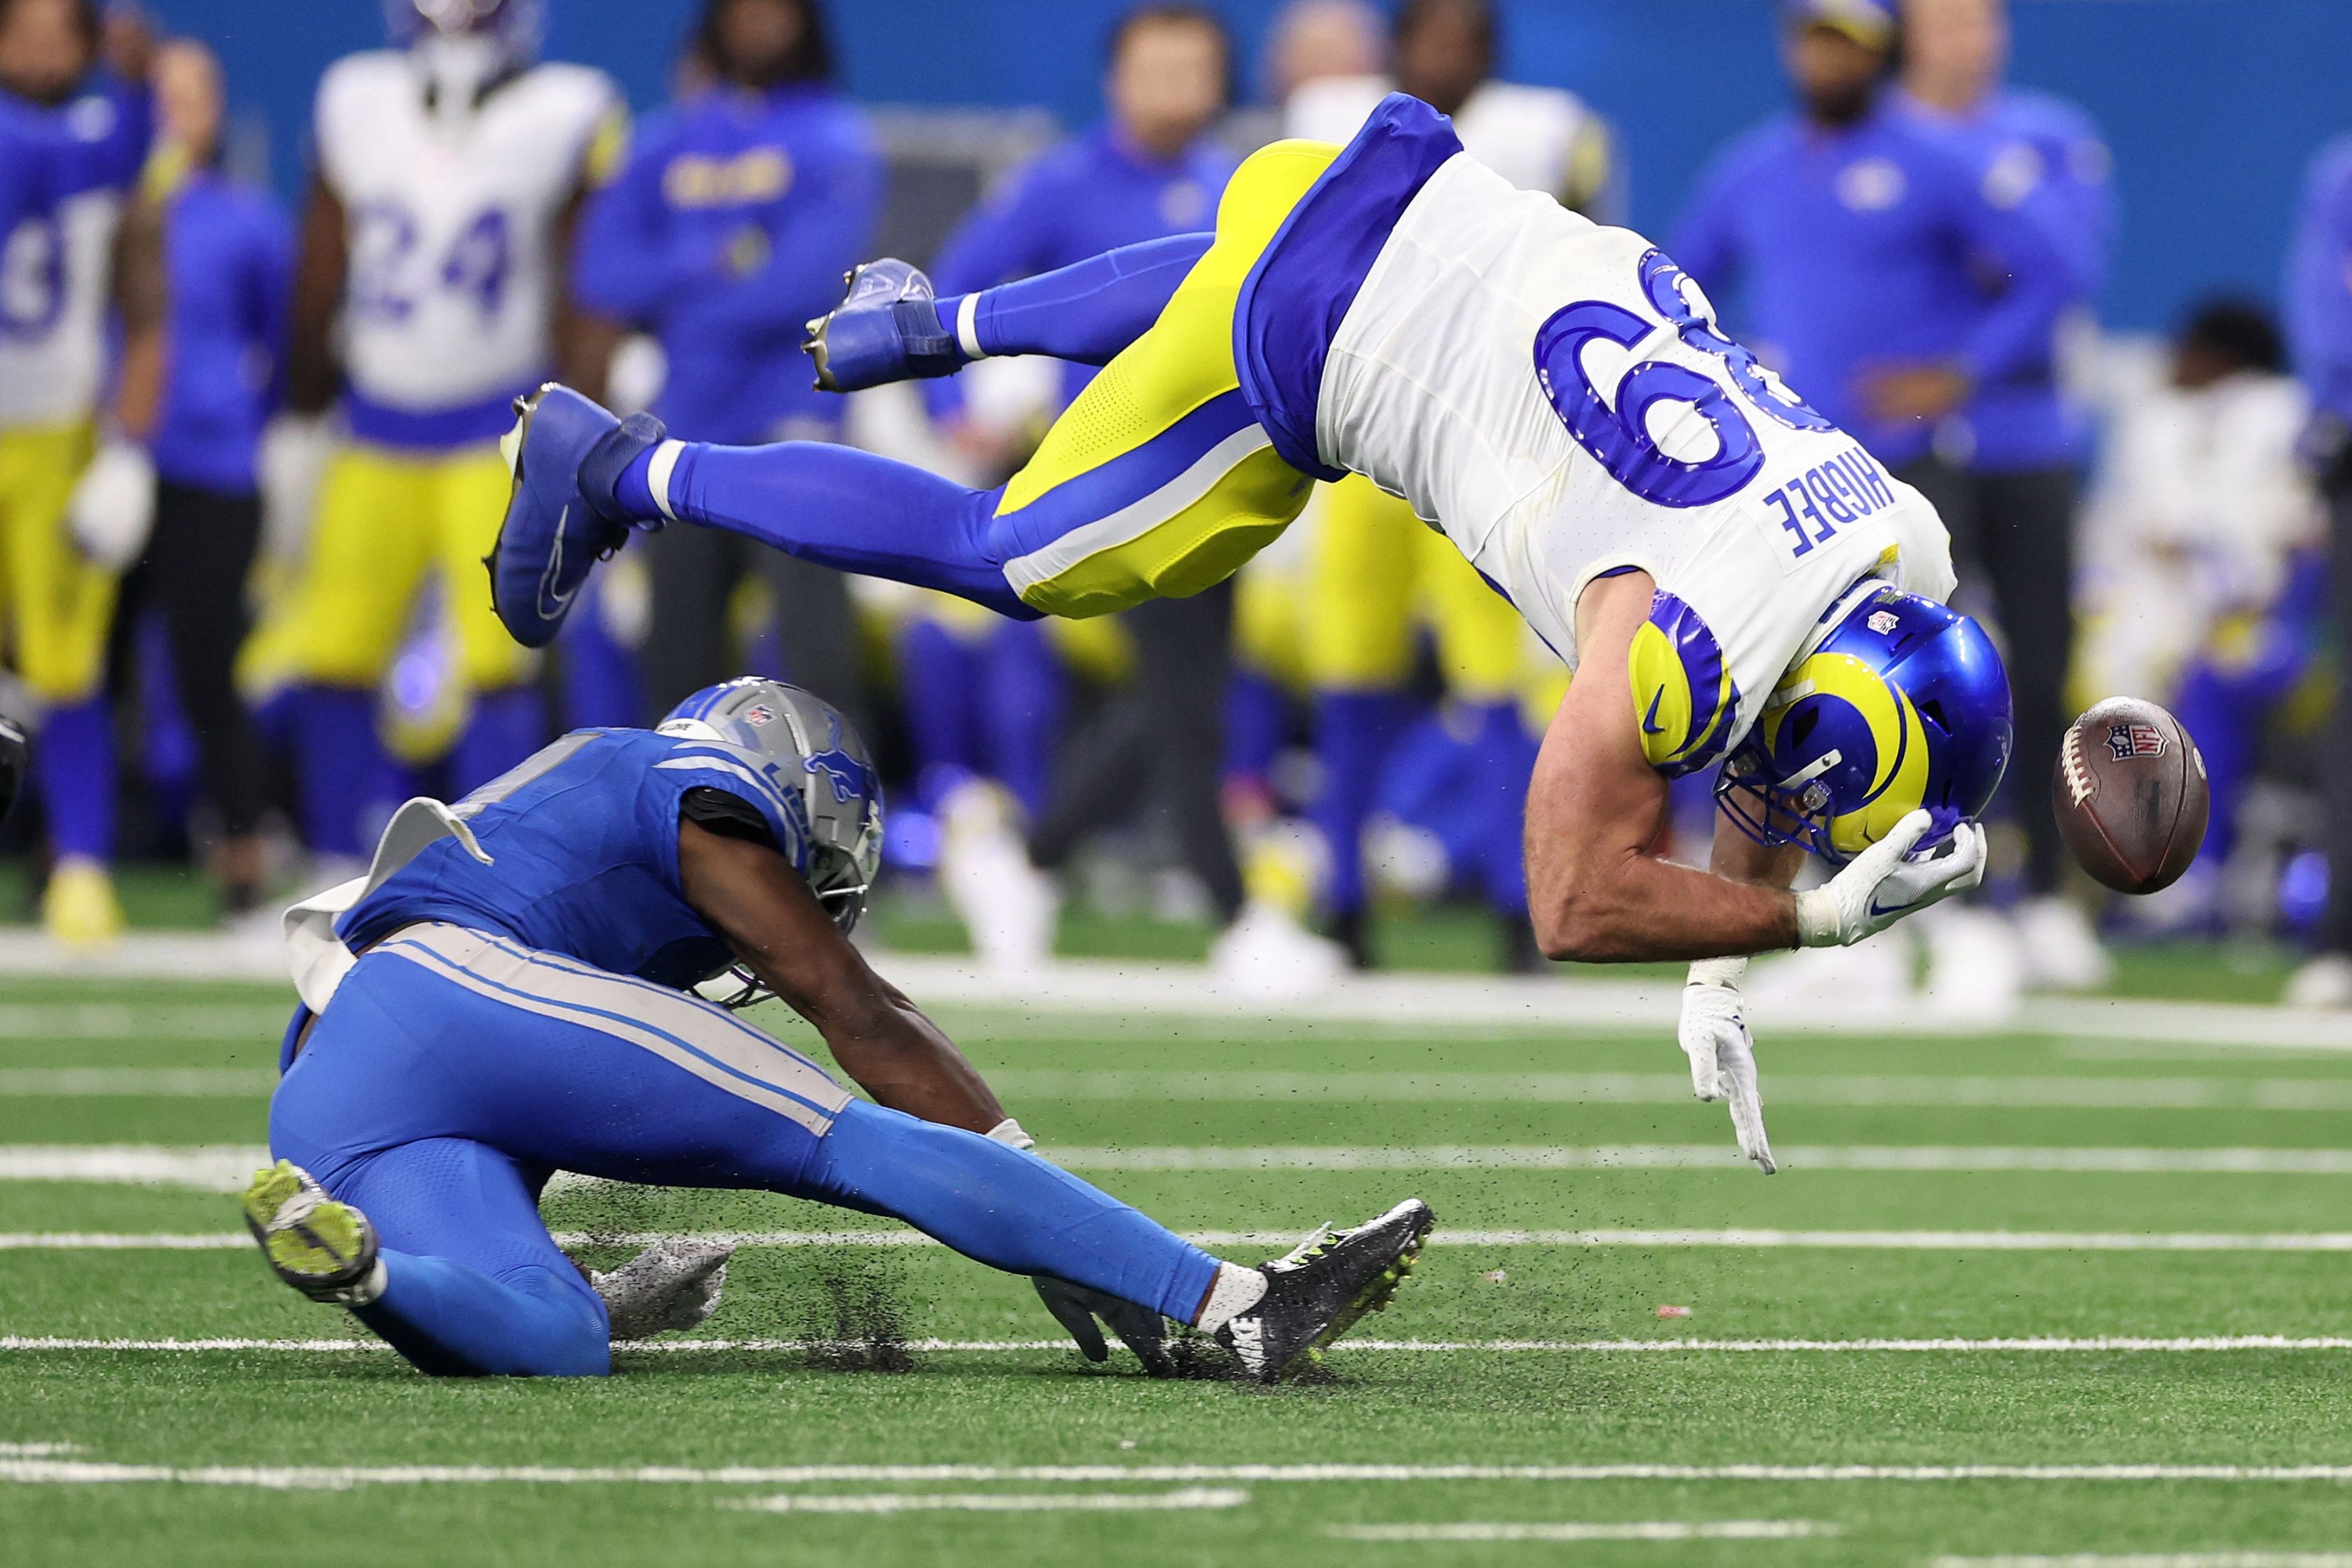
column 114, row 506
column 1885, row 882
column 1714, row 1034
column 1076, row 1307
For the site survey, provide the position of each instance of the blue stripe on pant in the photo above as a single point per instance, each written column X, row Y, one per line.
column 453, row 1072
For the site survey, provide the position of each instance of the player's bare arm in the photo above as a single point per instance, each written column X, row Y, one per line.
column 312, row 375
column 765, row 910
column 584, row 339
column 1597, row 889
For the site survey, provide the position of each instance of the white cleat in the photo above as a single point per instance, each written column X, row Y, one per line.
column 1266, row 955
column 673, row 1284
column 2060, row 949
column 1008, row 908
column 2323, row 981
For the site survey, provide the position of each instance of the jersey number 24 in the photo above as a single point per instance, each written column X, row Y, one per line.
column 1615, row 428
column 384, row 285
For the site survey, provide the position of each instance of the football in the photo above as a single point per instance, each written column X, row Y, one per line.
column 2130, row 795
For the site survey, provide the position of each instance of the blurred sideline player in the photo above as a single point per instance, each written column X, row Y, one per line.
column 2008, row 460
column 2205, row 587
column 204, row 265
column 1374, row 570
column 1741, row 588
column 731, row 222
column 561, row 914
column 430, row 290
column 72, row 140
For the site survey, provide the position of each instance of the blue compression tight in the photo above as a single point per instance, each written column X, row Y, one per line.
column 857, row 512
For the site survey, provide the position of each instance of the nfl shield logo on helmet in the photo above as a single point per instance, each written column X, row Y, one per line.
column 2126, row 741
column 759, row 713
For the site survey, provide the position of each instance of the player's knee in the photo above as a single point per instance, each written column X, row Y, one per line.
column 566, row 1334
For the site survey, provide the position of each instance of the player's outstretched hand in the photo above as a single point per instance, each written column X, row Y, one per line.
column 1076, row 1307
column 1714, row 1034
column 1886, row 881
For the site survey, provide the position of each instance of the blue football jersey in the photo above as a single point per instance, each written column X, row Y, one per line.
column 582, row 846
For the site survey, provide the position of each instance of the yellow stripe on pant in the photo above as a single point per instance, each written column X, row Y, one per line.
column 385, row 518
column 1220, row 493
column 59, row 607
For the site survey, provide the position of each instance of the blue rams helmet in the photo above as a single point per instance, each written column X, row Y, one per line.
column 1902, row 704
column 814, row 746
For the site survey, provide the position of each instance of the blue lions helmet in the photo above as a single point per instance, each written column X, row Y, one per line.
column 1902, row 705
column 813, row 745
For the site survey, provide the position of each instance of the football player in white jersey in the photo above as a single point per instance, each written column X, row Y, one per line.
column 1738, row 584
column 72, row 140
column 430, row 292
column 1373, row 573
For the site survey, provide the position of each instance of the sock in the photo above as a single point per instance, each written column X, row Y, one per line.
column 643, row 484
column 506, row 726
column 73, row 759
column 850, row 510
column 342, row 767
column 450, row 1320
column 1237, row 1289
column 1007, row 1208
column 1354, row 732
column 1086, row 313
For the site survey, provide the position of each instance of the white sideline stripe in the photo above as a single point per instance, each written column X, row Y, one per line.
column 215, row 1083
column 225, row 1168
column 1833, row 1240
column 1640, row 1530
column 72, row 1472
column 2155, row 1560
column 2039, row 1345
column 998, row 1502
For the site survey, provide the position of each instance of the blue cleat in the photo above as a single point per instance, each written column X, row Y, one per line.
column 566, row 453
column 886, row 329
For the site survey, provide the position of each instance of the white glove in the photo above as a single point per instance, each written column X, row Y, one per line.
column 1722, row 1052
column 292, row 457
column 114, row 506
column 1884, row 882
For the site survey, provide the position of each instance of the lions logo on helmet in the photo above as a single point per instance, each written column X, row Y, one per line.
column 1902, row 705
column 820, row 760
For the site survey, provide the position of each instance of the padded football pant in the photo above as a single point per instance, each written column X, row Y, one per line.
column 454, row 1071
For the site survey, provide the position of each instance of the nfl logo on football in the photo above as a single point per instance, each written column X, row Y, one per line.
column 2126, row 741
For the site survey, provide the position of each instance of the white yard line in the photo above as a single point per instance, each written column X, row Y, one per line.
column 189, row 1083
column 1831, row 1240
column 2155, row 1560
column 76, row 1472
column 998, row 1502
column 2035, row 1345
column 225, row 1168
column 1638, row 1530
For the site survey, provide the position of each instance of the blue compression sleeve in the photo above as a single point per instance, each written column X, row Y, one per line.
column 1354, row 732
column 73, row 759
column 850, row 510
column 1087, row 311
column 453, row 1320
column 1008, row 1209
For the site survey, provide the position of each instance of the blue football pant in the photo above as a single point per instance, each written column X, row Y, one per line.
column 454, row 1071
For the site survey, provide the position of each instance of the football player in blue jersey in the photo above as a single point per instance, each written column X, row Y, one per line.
column 506, row 994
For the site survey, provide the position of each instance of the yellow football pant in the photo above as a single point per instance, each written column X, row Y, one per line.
column 1371, row 565
column 59, row 607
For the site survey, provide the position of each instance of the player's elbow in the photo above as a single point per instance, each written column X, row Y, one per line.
column 1573, row 927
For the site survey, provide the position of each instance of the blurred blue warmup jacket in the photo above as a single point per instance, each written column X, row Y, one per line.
column 1082, row 198
column 727, row 230
column 1873, row 247
column 2319, row 282
column 229, row 254
column 2039, row 152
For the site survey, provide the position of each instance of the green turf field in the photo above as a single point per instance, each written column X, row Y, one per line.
column 1505, row 1411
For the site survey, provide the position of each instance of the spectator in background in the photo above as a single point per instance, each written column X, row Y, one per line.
column 1150, row 170
column 729, row 228
column 1881, row 282
column 1315, row 39
column 76, row 139
column 1374, row 570
column 2203, row 586
column 429, row 291
column 2009, row 459
column 2319, row 330
column 206, row 264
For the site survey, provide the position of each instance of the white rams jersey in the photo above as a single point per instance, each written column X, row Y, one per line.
column 1554, row 395
column 451, row 223
column 1539, row 138
column 54, row 271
